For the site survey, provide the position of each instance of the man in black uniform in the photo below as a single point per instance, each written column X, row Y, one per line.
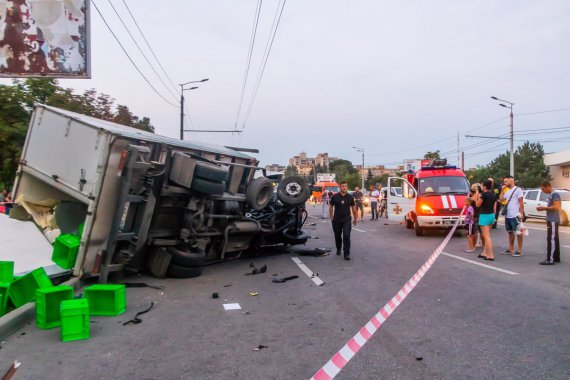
column 342, row 203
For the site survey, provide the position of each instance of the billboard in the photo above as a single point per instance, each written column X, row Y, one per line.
column 44, row 38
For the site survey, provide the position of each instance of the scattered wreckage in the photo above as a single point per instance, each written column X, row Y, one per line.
column 139, row 200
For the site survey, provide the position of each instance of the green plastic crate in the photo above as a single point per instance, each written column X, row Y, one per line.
column 48, row 305
column 80, row 230
column 106, row 299
column 23, row 290
column 4, row 298
column 6, row 271
column 74, row 320
column 65, row 248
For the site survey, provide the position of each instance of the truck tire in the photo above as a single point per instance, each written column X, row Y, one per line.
column 293, row 191
column 294, row 237
column 409, row 224
column 179, row 271
column 192, row 258
column 208, row 187
column 211, row 172
column 563, row 218
column 259, row 193
column 418, row 229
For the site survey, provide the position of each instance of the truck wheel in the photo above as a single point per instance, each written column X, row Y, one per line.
column 418, row 229
column 208, row 187
column 293, row 191
column 259, row 193
column 192, row 258
column 293, row 237
column 211, row 172
column 409, row 224
column 183, row 272
column 563, row 218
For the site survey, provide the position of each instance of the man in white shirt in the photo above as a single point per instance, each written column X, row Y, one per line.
column 513, row 216
column 373, row 195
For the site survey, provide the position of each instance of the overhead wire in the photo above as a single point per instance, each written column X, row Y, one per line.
column 129, row 57
column 269, row 46
column 141, row 51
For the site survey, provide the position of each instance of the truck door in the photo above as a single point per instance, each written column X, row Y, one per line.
column 401, row 198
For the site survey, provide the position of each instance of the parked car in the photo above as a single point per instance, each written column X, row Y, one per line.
column 536, row 197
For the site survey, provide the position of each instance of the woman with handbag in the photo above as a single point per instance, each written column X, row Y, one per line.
column 487, row 203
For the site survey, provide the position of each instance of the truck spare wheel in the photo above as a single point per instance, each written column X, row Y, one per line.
column 208, row 187
column 259, row 192
column 211, row 172
column 179, row 271
column 187, row 257
column 293, row 191
column 293, row 236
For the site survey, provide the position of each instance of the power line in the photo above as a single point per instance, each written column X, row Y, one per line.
column 268, row 50
column 141, row 51
column 539, row 112
column 249, row 55
column 129, row 57
column 149, row 47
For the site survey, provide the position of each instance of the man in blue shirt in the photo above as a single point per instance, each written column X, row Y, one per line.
column 552, row 222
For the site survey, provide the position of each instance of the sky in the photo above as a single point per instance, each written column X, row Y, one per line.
column 395, row 78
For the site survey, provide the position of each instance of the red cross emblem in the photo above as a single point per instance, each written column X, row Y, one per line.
column 397, row 209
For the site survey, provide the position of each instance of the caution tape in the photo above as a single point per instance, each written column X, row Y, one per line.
column 349, row 350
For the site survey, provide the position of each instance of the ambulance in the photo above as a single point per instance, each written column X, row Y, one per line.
column 431, row 198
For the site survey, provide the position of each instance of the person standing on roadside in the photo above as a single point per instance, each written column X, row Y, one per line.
column 340, row 207
column 359, row 201
column 487, row 203
column 325, row 206
column 497, row 192
column 474, row 194
column 552, row 223
column 513, row 215
column 373, row 195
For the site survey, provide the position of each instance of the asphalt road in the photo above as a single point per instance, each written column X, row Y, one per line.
column 462, row 321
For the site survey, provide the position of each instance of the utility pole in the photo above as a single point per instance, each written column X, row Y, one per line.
column 510, row 105
column 458, row 152
column 361, row 150
column 182, row 89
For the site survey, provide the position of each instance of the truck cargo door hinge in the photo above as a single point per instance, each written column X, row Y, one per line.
column 82, row 180
column 68, row 127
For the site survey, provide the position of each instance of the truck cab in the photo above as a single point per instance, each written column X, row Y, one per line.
column 431, row 198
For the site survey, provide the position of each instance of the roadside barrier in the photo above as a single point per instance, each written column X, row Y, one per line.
column 349, row 350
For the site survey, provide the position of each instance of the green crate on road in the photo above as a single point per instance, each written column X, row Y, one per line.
column 48, row 305
column 74, row 320
column 106, row 299
column 23, row 290
column 6, row 271
column 4, row 298
column 65, row 248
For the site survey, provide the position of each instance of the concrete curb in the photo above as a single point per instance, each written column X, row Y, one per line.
column 16, row 319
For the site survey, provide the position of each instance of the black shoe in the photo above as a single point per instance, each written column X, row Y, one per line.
column 347, row 257
column 338, row 252
column 494, row 226
column 546, row 262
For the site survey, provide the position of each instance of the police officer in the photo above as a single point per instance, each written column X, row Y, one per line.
column 341, row 204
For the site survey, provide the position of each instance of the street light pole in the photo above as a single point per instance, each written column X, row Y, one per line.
column 361, row 150
column 510, row 105
column 182, row 89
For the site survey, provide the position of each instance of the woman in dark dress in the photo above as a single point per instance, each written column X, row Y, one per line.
column 487, row 204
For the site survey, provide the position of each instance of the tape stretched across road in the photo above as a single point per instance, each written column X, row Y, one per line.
column 349, row 350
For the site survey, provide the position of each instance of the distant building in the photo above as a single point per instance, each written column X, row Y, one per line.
column 275, row 168
column 377, row 170
column 559, row 164
column 305, row 164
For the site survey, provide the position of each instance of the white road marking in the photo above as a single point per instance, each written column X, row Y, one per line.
column 479, row 264
column 308, row 272
column 565, row 246
column 358, row 229
column 536, row 228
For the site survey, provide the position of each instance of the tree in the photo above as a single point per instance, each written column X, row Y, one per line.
column 290, row 171
column 432, row 155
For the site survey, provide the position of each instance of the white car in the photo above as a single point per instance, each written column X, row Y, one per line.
column 535, row 197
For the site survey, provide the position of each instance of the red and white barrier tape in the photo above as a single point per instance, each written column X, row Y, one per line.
column 346, row 353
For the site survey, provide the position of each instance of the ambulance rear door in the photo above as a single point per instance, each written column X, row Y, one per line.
column 401, row 198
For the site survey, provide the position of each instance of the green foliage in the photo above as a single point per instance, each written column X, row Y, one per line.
column 530, row 170
column 290, row 171
column 16, row 104
column 432, row 155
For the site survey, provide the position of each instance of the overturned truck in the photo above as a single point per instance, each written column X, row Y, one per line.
column 139, row 200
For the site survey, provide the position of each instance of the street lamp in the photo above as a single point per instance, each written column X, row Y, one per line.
column 182, row 89
column 362, row 151
column 510, row 105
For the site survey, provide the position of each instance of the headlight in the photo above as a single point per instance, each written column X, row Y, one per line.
column 425, row 209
